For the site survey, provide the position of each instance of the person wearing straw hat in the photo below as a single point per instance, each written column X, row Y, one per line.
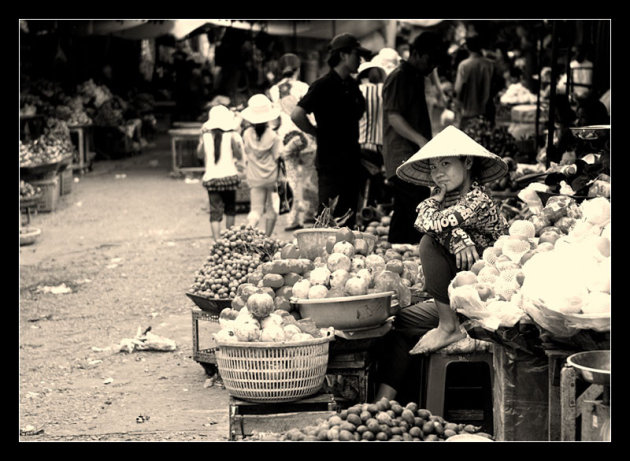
column 221, row 148
column 337, row 104
column 459, row 221
column 263, row 148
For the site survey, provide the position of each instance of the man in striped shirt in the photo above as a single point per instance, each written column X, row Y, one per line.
column 371, row 77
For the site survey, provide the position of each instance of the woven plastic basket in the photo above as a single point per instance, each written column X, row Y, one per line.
column 273, row 372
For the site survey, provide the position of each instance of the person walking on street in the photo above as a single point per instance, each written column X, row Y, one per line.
column 406, row 128
column 475, row 85
column 221, row 147
column 285, row 94
column 337, row 104
column 263, row 147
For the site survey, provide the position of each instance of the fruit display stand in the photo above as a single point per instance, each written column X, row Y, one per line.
column 178, row 137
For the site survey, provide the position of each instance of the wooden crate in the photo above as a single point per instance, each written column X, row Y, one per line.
column 50, row 193
column 65, row 181
column 246, row 418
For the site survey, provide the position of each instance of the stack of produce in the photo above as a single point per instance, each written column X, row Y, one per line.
column 276, row 278
column 348, row 269
column 496, row 139
column 238, row 252
column 385, row 420
column 379, row 228
column 27, row 190
column 94, row 94
column 559, row 259
column 517, row 93
column 52, row 146
column 260, row 321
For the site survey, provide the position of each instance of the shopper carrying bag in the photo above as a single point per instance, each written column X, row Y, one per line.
column 285, row 192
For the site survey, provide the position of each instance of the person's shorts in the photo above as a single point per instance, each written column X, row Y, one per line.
column 222, row 203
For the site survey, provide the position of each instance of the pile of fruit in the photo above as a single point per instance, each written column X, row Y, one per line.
column 239, row 251
column 260, row 321
column 496, row 139
column 52, row 146
column 517, row 93
column 348, row 269
column 385, row 420
column 27, row 190
column 559, row 258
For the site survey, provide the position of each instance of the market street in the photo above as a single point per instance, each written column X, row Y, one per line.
column 127, row 247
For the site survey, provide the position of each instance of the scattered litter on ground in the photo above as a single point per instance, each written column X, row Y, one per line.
column 191, row 181
column 99, row 349
column 142, row 418
column 30, row 430
column 108, row 381
column 145, row 340
column 59, row 289
column 37, row 319
column 154, row 163
column 82, row 281
column 79, row 204
column 76, row 179
column 121, row 176
column 214, row 380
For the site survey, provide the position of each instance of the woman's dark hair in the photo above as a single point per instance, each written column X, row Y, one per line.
column 476, row 167
column 217, row 136
column 260, row 128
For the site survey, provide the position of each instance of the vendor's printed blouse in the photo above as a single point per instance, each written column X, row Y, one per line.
column 471, row 219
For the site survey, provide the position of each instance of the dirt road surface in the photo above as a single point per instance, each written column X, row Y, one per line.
column 126, row 243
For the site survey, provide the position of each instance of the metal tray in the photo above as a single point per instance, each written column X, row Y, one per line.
column 590, row 132
column 214, row 306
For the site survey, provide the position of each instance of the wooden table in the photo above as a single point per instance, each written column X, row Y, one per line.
column 178, row 135
column 84, row 143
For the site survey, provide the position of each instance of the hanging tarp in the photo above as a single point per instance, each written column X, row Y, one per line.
column 323, row 29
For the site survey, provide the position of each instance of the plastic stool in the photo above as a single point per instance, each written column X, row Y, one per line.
column 436, row 375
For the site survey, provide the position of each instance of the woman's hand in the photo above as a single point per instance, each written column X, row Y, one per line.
column 439, row 192
column 466, row 257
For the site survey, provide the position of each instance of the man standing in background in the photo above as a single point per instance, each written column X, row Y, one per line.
column 406, row 128
column 474, row 87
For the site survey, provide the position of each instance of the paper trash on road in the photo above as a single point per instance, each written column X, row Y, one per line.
column 59, row 289
column 147, row 341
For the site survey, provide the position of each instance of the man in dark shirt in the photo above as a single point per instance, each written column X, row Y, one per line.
column 337, row 104
column 406, row 128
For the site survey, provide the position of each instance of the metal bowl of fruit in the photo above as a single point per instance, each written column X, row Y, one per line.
column 347, row 313
column 592, row 366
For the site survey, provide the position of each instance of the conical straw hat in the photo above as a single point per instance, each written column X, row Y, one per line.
column 450, row 142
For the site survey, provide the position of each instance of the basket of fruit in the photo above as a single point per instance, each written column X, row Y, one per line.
column 273, row 371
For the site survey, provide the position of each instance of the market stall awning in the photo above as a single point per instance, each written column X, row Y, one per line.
column 319, row 28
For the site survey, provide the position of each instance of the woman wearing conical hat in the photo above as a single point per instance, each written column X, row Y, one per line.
column 459, row 220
